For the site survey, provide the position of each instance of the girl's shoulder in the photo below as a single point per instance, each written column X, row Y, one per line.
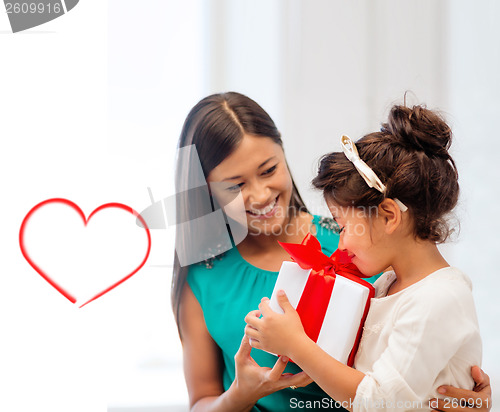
column 443, row 287
column 449, row 280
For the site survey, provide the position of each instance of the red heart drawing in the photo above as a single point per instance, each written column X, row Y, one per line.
column 75, row 207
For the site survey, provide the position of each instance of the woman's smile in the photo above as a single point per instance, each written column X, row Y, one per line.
column 258, row 169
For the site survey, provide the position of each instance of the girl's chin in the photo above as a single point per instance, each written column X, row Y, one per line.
column 366, row 272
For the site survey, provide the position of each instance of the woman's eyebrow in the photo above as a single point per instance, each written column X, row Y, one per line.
column 261, row 165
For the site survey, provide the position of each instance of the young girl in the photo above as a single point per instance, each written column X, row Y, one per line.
column 421, row 331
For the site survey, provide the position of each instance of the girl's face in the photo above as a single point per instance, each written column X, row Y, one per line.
column 257, row 169
column 362, row 237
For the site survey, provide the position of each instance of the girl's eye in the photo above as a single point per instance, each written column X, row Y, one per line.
column 338, row 229
column 270, row 170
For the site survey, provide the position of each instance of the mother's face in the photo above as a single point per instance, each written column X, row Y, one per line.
column 257, row 169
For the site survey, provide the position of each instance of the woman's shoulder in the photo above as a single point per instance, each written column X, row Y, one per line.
column 202, row 275
column 213, row 264
column 326, row 231
column 326, row 223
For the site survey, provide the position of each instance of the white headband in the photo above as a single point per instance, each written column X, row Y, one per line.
column 364, row 170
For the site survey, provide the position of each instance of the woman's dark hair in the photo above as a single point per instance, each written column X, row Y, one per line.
column 215, row 126
column 410, row 156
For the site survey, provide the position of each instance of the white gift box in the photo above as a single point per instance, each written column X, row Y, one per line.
column 344, row 317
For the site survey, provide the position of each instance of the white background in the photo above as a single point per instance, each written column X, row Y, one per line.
column 91, row 106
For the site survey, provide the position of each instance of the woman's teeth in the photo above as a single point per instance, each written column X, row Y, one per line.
column 266, row 210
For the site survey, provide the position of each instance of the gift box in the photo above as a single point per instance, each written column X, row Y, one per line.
column 328, row 293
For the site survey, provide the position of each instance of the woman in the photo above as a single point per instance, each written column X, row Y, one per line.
column 240, row 154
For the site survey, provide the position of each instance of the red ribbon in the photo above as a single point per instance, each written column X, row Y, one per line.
column 315, row 298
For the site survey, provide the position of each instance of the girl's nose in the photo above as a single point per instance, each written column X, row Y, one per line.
column 341, row 243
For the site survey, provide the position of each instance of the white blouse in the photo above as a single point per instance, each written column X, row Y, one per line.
column 415, row 340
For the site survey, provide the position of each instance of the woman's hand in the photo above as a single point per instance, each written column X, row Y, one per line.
column 253, row 382
column 274, row 332
column 203, row 367
column 462, row 400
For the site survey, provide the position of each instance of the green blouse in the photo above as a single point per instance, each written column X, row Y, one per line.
column 227, row 288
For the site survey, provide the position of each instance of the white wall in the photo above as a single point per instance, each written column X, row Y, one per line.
column 345, row 63
column 92, row 105
column 474, row 87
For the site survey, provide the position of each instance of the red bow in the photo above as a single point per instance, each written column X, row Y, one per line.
column 308, row 255
column 315, row 298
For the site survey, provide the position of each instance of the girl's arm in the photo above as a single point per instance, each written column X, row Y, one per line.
column 203, row 367
column 284, row 334
column 408, row 367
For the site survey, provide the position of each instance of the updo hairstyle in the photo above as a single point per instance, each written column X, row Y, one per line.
column 410, row 156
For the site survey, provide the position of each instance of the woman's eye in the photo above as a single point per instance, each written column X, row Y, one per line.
column 270, row 170
column 234, row 188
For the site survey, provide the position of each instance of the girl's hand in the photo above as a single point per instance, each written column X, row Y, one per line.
column 253, row 382
column 274, row 332
column 477, row 400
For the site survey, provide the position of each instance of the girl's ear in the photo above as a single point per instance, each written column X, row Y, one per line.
column 391, row 214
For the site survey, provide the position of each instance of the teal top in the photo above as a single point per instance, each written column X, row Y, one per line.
column 227, row 288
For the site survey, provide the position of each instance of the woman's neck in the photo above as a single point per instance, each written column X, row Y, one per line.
column 293, row 231
column 415, row 262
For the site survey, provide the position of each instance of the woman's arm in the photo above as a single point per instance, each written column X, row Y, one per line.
column 203, row 367
column 479, row 398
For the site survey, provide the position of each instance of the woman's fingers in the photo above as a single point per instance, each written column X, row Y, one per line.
column 244, row 350
column 440, row 405
column 462, row 394
column 459, row 400
column 481, row 379
column 278, row 368
column 467, row 403
column 299, row 380
column 456, row 405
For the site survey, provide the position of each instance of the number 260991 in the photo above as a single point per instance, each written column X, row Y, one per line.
column 33, row 8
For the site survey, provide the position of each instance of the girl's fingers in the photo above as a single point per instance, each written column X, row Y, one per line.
column 253, row 318
column 264, row 307
column 283, row 301
column 251, row 333
column 255, row 343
